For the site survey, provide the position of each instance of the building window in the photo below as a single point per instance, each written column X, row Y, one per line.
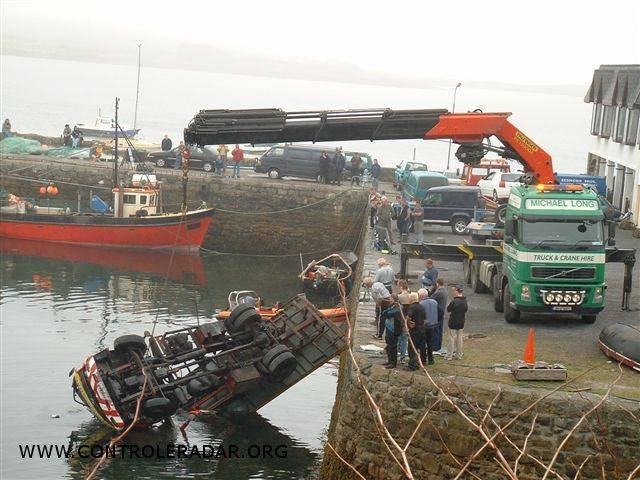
column 632, row 127
column 607, row 121
column 129, row 199
column 596, row 118
column 621, row 122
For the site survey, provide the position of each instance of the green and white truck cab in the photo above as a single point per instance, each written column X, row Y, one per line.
column 554, row 253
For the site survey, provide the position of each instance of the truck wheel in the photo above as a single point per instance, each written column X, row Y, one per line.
column 160, row 162
column 459, row 225
column 274, row 173
column 283, row 365
column 500, row 216
column 155, row 409
column 129, row 343
column 476, row 284
column 511, row 315
column 273, row 353
column 589, row 318
column 242, row 318
column 497, row 298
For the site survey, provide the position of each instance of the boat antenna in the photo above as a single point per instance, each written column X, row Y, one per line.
column 135, row 113
column 115, row 160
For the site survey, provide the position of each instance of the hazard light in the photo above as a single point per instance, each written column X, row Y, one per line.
column 559, row 188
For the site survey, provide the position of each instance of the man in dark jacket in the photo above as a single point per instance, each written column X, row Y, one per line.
column 416, row 322
column 392, row 319
column 339, row 160
column 166, row 144
column 376, row 171
column 440, row 296
column 323, row 166
column 457, row 308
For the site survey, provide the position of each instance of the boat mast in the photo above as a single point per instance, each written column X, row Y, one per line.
column 135, row 113
column 115, row 161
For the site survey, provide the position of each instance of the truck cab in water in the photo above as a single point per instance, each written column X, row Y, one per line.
column 554, row 253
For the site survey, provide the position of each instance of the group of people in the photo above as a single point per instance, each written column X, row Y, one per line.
column 183, row 153
column 416, row 315
column 72, row 138
column 383, row 213
column 331, row 168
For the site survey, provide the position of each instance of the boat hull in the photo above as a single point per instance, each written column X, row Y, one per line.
column 99, row 133
column 622, row 343
column 173, row 231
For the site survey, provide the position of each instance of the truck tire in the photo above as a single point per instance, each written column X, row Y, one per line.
column 242, row 318
column 589, row 318
column 497, row 297
column 459, row 225
column 273, row 353
column 130, row 343
column 500, row 216
column 283, row 365
column 511, row 315
column 155, row 409
column 476, row 284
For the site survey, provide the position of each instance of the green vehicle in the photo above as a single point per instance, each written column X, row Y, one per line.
column 553, row 254
column 419, row 182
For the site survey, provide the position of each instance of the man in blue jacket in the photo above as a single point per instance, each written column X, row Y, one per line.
column 431, row 323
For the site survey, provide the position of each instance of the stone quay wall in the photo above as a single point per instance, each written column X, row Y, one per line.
column 309, row 218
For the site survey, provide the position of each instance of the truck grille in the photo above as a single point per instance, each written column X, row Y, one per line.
column 586, row 273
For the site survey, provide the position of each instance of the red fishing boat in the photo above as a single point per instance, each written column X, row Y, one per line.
column 136, row 221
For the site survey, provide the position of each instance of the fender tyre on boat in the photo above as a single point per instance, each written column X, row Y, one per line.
column 155, row 409
column 129, row 343
column 283, row 365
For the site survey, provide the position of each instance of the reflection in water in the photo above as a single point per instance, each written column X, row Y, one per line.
column 61, row 303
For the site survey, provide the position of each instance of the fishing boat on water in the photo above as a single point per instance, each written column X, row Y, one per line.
column 134, row 221
column 104, row 127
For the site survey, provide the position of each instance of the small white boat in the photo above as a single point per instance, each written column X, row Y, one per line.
column 104, row 127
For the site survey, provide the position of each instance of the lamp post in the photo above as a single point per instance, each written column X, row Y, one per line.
column 453, row 110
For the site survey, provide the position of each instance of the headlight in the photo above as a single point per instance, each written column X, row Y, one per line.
column 525, row 293
column 558, row 297
column 549, row 297
column 597, row 295
column 576, row 298
column 567, row 298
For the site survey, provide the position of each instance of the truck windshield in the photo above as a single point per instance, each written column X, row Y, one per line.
column 576, row 234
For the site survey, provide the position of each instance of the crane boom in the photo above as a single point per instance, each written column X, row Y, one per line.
column 469, row 130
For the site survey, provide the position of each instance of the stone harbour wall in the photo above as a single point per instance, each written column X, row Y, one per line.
column 445, row 441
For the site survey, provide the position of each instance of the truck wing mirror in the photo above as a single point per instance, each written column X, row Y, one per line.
column 509, row 229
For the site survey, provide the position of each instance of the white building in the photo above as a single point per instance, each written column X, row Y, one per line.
column 614, row 152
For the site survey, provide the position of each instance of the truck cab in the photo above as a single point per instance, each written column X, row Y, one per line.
column 554, row 252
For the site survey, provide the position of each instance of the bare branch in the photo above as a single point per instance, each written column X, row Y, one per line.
column 575, row 427
column 580, row 467
column 424, row 416
column 353, row 469
column 524, row 445
column 635, row 473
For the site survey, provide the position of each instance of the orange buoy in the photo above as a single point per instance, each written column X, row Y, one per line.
column 54, row 190
column 50, row 189
column 43, row 190
column 529, row 349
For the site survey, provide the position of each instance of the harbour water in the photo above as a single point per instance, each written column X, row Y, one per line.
column 40, row 96
column 56, row 311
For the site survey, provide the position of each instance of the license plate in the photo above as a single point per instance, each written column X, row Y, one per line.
column 562, row 309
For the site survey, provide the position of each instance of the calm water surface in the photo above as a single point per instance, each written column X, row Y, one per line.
column 54, row 312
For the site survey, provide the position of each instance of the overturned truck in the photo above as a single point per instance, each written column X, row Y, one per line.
column 236, row 365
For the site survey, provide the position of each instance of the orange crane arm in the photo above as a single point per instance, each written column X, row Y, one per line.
column 471, row 129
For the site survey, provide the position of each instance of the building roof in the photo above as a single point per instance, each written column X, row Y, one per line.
column 617, row 85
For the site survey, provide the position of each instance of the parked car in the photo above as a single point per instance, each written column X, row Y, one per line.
column 201, row 158
column 472, row 174
column 404, row 170
column 301, row 161
column 454, row 205
column 497, row 185
column 453, row 176
column 419, row 182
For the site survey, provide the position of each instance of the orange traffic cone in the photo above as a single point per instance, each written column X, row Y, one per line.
column 529, row 349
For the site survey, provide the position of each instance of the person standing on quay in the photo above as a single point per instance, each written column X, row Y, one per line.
column 374, row 200
column 66, row 135
column 458, row 309
column 392, row 318
column 418, row 216
column 404, row 219
column 416, row 323
column 166, row 144
column 430, row 276
column 379, row 293
column 384, row 217
column 6, row 128
column 238, row 156
column 222, row 155
column 431, row 323
column 178, row 163
column 376, row 171
column 323, row 167
column 440, row 296
column 356, row 163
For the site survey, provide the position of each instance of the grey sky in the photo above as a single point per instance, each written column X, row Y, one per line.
column 542, row 42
